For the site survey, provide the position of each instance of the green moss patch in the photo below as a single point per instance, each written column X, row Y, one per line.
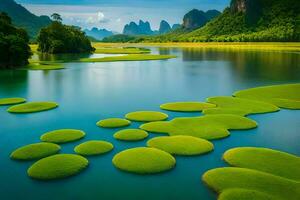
column 223, row 179
column 32, row 107
column 44, row 66
column 146, row 116
column 57, row 167
column 143, row 160
column 94, row 147
column 242, row 194
column 284, row 96
column 181, row 145
column 62, row 136
column 186, row 106
column 132, row 57
column 266, row 160
column 207, row 127
column 128, row 50
column 131, row 135
column 35, row 151
column 232, row 111
column 11, row 101
column 113, row 123
column 234, row 105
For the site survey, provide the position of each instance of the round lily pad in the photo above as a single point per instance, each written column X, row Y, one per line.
column 181, row 145
column 94, row 147
column 186, row 106
column 32, row 107
column 131, row 135
column 35, row 151
column 11, row 101
column 113, row 123
column 157, row 127
column 62, row 136
column 143, row 160
column 243, row 194
column 57, row 167
column 233, row 111
column 146, row 116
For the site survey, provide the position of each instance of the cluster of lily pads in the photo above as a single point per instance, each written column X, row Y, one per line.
column 257, row 173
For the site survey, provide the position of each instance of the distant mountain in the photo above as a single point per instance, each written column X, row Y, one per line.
column 198, row 18
column 98, row 34
column 143, row 28
column 176, row 26
column 21, row 17
column 164, row 27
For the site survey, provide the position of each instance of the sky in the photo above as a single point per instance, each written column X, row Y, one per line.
column 114, row 14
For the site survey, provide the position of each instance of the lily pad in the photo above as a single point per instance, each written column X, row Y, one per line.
column 131, row 135
column 94, row 147
column 57, row 167
column 113, row 123
column 11, row 101
column 283, row 96
column 35, row 151
column 186, row 106
column 62, row 136
column 146, row 116
column 181, row 145
column 143, row 160
column 32, row 107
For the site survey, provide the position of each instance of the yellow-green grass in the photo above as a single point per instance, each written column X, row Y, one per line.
column 57, row 167
column 186, row 106
column 32, row 107
column 181, row 145
column 35, row 151
column 207, row 127
column 113, row 123
column 144, row 160
column 234, row 105
column 125, row 50
column 131, row 57
column 146, row 116
column 284, row 96
column 11, row 101
column 131, row 135
column 265, row 160
column 62, row 136
column 266, row 184
column 44, row 66
column 93, row 147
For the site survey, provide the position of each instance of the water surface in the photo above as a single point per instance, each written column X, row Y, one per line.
column 88, row 92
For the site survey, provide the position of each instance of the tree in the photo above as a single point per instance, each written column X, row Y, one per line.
column 56, row 17
column 14, row 48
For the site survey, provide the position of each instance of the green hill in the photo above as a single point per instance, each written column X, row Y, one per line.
column 22, row 18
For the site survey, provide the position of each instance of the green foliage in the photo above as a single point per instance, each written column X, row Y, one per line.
column 11, row 101
column 186, row 106
column 113, row 123
column 131, row 135
column 60, row 38
column 119, row 38
column 62, row 136
column 32, row 107
column 146, row 116
column 94, row 147
column 14, row 48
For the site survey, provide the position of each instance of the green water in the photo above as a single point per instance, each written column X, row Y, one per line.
column 87, row 92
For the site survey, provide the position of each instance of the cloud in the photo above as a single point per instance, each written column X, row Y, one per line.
column 102, row 18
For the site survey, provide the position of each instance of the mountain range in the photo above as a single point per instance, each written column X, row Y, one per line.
column 98, row 34
column 21, row 17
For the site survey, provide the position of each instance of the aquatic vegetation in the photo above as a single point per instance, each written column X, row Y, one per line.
column 265, row 160
column 32, row 107
column 113, row 123
column 284, row 96
column 57, row 167
column 131, row 57
column 131, row 135
column 259, row 173
column 35, row 151
column 233, row 105
column 11, row 101
column 62, row 136
column 44, row 66
column 124, row 50
column 181, row 145
column 94, row 147
column 144, row 160
column 146, row 116
column 186, row 106
column 207, row 127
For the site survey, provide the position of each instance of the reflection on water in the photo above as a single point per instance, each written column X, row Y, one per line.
column 87, row 92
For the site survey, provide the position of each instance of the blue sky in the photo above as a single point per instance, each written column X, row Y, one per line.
column 114, row 14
